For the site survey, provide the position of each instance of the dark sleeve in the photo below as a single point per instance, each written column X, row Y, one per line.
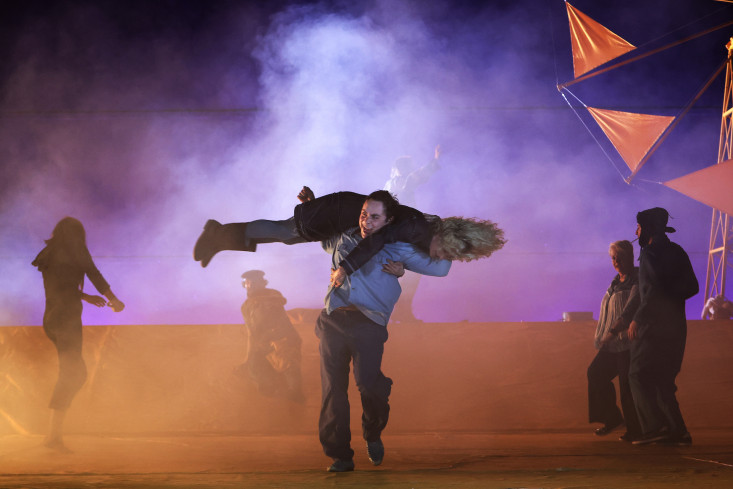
column 95, row 277
column 410, row 226
column 669, row 279
column 651, row 287
column 686, row 284
column 328, row 215
column 364, row 251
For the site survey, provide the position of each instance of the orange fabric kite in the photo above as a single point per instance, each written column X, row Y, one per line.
column 631, row 134
column 712, row 186
column 593, row 44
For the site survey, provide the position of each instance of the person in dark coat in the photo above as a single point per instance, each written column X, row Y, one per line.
column 63, row 263
column 318, row 219
column 273, row 344
column 658, row 331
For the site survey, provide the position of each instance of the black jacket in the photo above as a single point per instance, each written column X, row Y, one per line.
column 333, row 214
column 666, row 281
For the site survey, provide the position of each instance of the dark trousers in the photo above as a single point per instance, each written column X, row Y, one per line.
column 655, row 363
column 602, row 406
column 67, row 338
column 347, row 336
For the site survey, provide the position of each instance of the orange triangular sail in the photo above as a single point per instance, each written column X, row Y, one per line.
column 592, row 43
column 631, row 134
column 711, row 186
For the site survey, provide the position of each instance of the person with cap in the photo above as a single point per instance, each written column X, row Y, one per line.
column 658, row 331
column 273, row 344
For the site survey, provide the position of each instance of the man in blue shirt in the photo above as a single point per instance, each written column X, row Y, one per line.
column 353, row 326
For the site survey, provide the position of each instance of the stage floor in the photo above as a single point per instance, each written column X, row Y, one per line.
column 425, row 460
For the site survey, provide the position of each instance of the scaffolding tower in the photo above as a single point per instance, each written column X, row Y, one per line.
column 721, row 230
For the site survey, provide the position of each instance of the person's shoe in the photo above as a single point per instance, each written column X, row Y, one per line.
column 206, row 246
column 607, row 428
column 683, row 440
column 339, row 465
column 658, row 436
column 375, row 450
column 629, row 437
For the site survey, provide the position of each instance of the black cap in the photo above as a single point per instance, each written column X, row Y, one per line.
column 654, row 221
column 254, row 275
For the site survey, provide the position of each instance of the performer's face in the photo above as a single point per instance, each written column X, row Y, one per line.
column 252, row 284
column 436, row 249
column 620, row 262
column 643, row 238
column 372, row 218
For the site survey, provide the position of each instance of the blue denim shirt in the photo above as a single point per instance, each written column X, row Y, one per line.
column 373, row 291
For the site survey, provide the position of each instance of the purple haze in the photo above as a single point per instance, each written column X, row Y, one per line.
column 144, row 119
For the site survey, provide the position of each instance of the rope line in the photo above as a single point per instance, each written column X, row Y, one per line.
column 613, row 164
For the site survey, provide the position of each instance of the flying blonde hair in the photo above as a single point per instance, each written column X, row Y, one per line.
column 466, row 239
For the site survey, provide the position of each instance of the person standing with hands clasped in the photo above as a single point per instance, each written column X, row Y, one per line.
column 612, row 360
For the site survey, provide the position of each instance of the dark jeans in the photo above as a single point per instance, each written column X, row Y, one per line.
column 266, row 231
column 602, row 394
column 655, row 363
column 350, row 336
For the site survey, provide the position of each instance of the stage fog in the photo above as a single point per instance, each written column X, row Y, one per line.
column 145, row 125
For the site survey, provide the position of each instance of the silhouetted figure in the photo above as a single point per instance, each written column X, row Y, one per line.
column 273, row 344
column 403, row 183
column 404, row 178
column 618, row 306
column 64, row 262
column 658, row 331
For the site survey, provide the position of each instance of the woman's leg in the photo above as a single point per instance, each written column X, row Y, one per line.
column 66, row 336
column 242, row 236
column 602, row 406
column 266, row 231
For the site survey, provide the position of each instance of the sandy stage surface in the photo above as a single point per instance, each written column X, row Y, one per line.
column 465, row 460
column 474, row 405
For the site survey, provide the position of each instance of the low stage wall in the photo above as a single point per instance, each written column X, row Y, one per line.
column 447, row 377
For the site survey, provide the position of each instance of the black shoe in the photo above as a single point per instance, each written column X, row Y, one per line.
column 683, row 440
column 339, row 465
column 607, row 428
column 629, row 437
column 661, row 435
column 375, row 449
column 206, row 246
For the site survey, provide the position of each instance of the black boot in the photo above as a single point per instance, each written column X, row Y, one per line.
column 217, row 237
